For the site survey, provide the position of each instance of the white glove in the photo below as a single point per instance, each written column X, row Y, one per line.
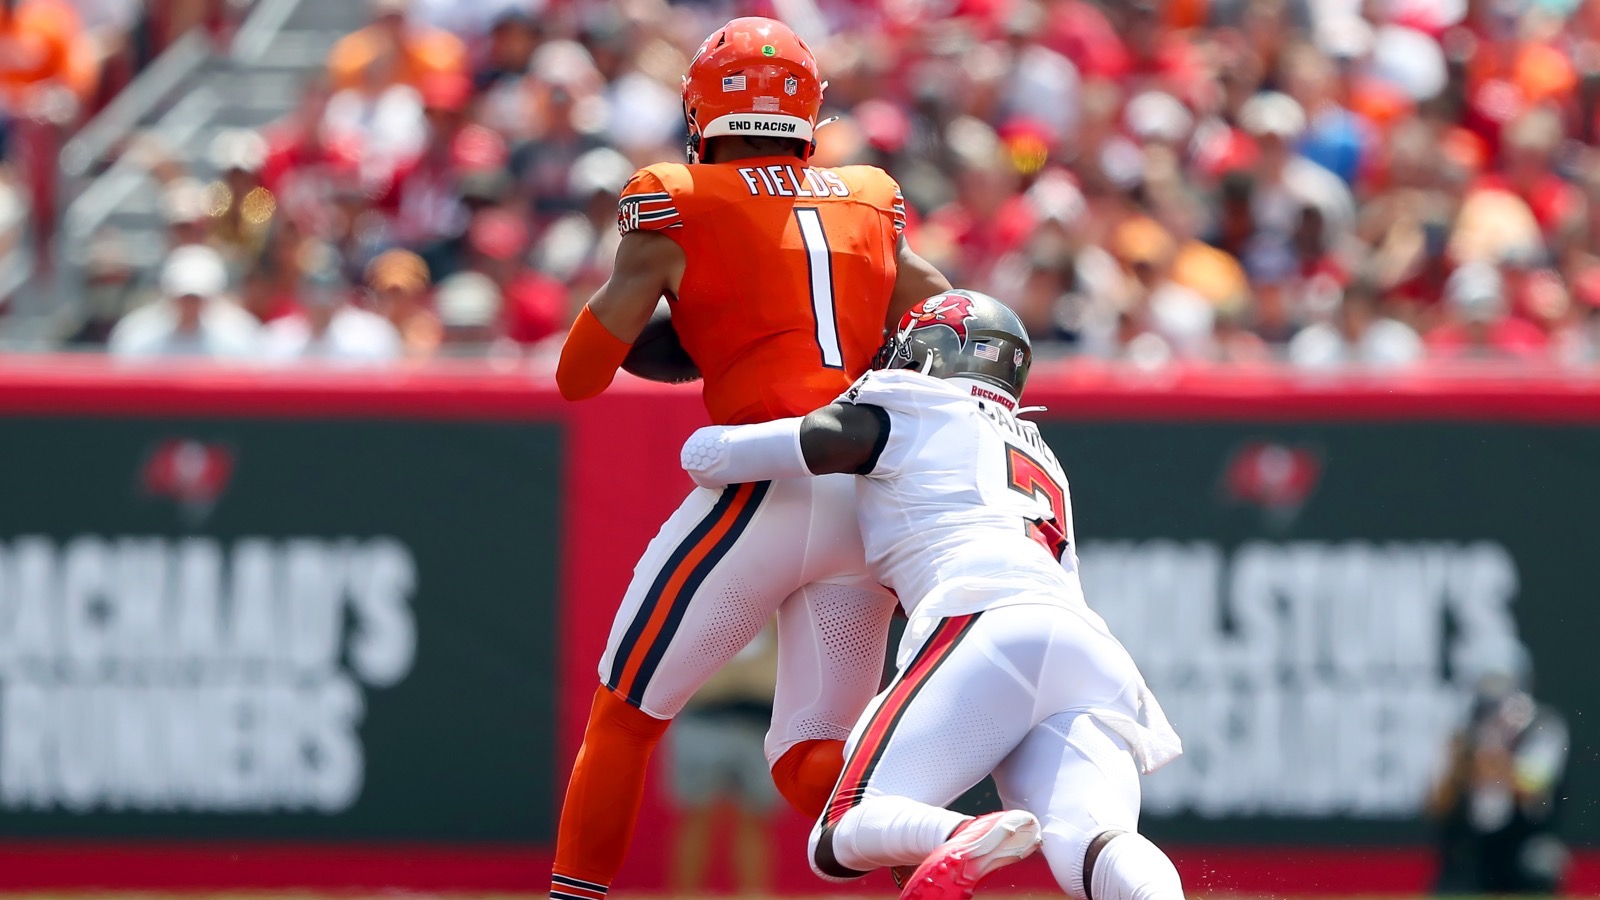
column 705, row 454
column 720, row 455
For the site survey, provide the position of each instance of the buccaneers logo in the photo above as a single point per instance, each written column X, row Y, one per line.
column 950, row 310
column 190, row 473
column 1275, row 477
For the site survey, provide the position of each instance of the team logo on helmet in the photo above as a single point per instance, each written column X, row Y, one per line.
column 950, row 310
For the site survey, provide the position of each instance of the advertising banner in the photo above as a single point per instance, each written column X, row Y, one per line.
column 341, row 630
column 1315, row 604
column 267, row 629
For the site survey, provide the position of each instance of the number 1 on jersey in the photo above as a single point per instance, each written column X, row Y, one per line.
column 819, row 260
column 1029, row 477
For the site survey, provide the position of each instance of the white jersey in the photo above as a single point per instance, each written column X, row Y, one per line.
column 965, row 507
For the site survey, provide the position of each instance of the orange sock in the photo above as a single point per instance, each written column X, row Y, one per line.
column 603, row 796
column 806, row 774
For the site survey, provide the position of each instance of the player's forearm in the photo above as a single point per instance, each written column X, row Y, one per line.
column 916, row 280
column 589, row 358
column 720, row 455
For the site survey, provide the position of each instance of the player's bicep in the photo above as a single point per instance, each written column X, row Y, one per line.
column 844, row 438
column 916, row 280
column 648, row 265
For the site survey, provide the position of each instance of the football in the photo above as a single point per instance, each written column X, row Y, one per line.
column 657, row 354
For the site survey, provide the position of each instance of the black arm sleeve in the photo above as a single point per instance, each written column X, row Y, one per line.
column 844, row 437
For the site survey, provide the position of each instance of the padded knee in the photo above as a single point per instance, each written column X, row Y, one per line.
column 806, row 773
column 1129, row 867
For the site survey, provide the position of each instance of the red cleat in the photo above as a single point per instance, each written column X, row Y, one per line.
column 977, row 849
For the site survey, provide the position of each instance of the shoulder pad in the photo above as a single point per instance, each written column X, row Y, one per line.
column 900, row 389
column 652, row 198
column 878, row 188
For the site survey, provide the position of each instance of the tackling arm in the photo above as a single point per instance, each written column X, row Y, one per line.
column 843, row 437
column 647, row 266
column 915, row 281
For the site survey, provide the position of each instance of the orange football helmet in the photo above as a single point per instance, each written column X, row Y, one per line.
column 753, row 77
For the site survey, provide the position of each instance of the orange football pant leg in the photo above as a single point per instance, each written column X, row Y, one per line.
column 805, row 775
column 604, row 794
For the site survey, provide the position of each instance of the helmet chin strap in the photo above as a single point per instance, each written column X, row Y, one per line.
column 695, row 143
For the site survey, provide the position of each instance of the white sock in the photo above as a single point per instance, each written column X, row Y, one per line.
column 891, row 831
column 1129, row 867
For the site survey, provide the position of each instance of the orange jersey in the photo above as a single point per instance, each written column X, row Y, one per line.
column 788, row 277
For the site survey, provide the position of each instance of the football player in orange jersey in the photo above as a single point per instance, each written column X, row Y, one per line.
column 782, row 281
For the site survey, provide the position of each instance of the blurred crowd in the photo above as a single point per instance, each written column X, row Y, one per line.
column 61, row 61
column 1336, row 182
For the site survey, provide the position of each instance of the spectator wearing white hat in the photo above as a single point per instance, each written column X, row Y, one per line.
column 579, row 246
column 186, row 209
column 469, row 305
column 193, row 318
column 243, row 209
column 1156, row 117
column 1359, row 337
column 328, row 327
column 1479, row 324
column 1285, row 180
column 1039, row 83
column 383, row 116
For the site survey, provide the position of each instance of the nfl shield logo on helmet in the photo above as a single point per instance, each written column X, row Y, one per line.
column 1016, row 357
column 791, row 85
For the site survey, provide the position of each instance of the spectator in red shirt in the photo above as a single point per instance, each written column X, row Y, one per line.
column 1527, row 153
column 427, row 194
column 1479, row 325
column 535, row 305
column 271, row 286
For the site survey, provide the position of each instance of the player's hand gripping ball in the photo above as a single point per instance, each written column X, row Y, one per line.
column 657, row 354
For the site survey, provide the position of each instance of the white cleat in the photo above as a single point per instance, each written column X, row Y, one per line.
column 975, row 851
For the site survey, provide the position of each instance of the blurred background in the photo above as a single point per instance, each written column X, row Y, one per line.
column 1327, row 183
column 304, row 566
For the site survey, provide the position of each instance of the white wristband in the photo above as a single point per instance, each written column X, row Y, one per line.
column 719, row 454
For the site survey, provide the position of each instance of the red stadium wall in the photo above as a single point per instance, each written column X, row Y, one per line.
column 623, row 479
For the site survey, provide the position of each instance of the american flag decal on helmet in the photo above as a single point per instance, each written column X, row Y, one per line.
column 987, row 351
column 732, row 83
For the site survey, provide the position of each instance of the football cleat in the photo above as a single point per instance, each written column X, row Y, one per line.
column 973, row 853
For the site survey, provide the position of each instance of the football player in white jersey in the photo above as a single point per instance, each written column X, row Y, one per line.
column 1004, row 668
